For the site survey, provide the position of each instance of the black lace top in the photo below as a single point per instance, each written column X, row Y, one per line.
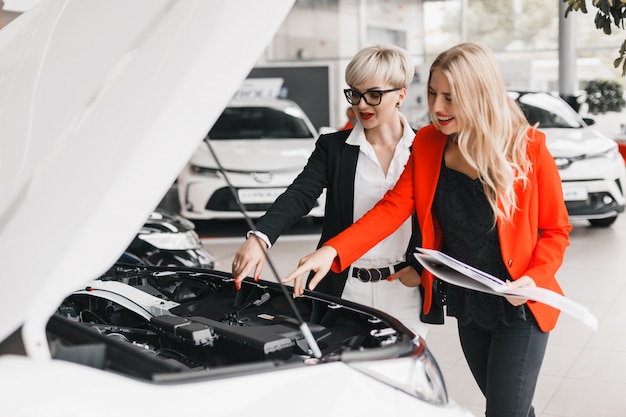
column 466, row 220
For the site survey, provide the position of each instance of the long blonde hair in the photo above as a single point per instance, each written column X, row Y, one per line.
column 494, row 130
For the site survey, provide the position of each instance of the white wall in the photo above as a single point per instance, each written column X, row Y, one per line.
column 331, row 32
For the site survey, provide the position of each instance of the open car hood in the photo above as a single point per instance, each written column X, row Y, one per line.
column 101, row 106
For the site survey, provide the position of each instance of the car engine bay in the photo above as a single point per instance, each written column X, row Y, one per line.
column 148, row 322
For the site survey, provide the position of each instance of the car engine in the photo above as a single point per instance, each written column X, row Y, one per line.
column 148, row 322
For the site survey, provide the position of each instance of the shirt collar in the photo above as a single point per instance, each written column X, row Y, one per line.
column 357, row 136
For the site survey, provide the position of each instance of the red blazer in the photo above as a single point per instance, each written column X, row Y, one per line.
column 533, row 243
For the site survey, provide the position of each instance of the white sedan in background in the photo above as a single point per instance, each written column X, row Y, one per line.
column 263, row 144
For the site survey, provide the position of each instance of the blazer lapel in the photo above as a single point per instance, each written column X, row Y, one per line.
column 347, row 173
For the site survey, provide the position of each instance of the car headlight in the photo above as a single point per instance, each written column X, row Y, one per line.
column 417, row 375
column 172, row 241
column 208, row 172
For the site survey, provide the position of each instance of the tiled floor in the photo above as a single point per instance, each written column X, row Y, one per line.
column 584, row 372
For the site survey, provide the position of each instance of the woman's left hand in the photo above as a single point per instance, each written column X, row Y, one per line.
column 524, row 281
column 408, row 276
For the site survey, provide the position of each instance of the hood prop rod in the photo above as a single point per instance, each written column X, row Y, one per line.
column 304, row 328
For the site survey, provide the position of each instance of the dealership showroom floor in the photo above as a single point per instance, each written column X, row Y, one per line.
column 584, row 372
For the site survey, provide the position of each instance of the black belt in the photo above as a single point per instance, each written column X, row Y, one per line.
column 376, row 274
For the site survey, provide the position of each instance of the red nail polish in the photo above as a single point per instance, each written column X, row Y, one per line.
column 256, row 279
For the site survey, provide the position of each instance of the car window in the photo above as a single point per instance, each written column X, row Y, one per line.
column 548, row 111
column 258, row 123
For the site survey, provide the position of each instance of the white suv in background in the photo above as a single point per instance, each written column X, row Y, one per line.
column 591, row 167
column 262, row 144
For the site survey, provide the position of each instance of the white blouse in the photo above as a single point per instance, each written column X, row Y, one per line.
column 371, row 185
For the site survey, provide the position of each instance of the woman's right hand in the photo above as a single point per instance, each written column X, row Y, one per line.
column 318, row 261
column 249, row 258
column 408, row 276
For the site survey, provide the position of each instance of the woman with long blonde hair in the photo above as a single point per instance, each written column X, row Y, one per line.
column 487, row 192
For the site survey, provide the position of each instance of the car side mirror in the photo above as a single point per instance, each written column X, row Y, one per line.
column 589, row 121
column 326, row 129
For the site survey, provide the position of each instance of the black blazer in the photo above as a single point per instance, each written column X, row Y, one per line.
column 332, row 165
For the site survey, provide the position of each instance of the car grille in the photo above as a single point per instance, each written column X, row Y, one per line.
column 596, row 203
column 223, row 200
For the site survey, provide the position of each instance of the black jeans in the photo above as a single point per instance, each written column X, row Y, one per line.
column 505, row 361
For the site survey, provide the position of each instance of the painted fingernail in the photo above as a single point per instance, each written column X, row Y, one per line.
column 256, row 279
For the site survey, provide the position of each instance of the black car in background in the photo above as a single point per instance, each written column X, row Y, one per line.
column 167, row 239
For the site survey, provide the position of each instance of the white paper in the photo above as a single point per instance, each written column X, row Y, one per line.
column 458, row 273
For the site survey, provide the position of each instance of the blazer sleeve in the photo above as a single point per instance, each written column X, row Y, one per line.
column 300, row 197
column 378, row 223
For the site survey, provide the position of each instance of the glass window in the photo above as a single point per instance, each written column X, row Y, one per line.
column 258, row 123
column 549, row 111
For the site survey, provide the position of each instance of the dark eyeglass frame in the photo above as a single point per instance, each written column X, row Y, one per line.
column 350, row 93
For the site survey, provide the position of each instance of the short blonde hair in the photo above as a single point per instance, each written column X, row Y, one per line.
column 494, row 130
column 391, row 62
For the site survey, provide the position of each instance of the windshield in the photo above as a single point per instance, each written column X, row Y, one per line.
column 549, row 111
column 257, row 123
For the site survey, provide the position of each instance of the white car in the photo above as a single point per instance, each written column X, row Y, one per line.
column 592, row 169
column 263, row 144
column 96, row 121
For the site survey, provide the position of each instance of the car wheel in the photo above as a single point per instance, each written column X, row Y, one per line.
column 603, row 222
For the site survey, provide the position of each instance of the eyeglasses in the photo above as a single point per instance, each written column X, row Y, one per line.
column 372, row 97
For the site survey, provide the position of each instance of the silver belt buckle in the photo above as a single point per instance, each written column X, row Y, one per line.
column 370, row 276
